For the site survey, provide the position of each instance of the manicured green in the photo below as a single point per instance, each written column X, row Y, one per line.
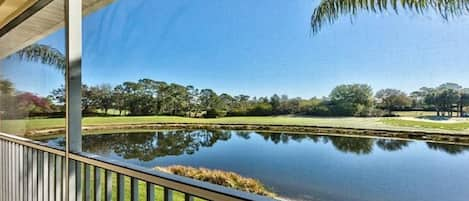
column 458, row 126
column 21, row 126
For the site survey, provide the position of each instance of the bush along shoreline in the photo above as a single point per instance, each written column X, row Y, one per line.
column 220, row 177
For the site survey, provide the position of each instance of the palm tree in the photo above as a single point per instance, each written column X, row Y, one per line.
column 329, row 11
column 44, row 54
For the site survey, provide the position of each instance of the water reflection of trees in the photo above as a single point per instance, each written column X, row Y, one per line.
column 356, row 145
column 448, row 148
column 391, row 145
column 147, row 146
column 352, row 145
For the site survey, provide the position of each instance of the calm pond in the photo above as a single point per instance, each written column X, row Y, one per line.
column 304, row 167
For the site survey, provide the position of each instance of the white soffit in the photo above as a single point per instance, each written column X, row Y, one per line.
column 40, row 24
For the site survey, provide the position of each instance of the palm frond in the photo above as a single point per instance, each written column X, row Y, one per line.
column 44, row 54
column 329, row 11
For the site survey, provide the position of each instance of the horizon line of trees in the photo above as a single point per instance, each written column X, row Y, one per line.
column 150, row 97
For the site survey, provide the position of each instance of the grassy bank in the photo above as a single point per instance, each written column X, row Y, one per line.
column 23, row 126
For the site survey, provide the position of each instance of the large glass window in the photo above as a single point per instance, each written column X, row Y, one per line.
column 32, row 79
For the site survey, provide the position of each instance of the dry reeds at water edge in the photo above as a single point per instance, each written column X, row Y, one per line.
column 220, row 177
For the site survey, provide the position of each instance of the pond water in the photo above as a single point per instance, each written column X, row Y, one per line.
column 304, row 167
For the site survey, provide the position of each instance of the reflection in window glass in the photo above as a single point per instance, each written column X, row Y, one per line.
column 31, row 88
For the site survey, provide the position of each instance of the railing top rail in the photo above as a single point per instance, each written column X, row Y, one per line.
column 174, row 182
column 33, row 144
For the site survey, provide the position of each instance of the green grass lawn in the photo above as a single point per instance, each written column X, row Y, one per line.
column 21, row 126
column 458, row 126
column 415, row 113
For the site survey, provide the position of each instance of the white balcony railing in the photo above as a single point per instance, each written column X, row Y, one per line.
column 34, row 171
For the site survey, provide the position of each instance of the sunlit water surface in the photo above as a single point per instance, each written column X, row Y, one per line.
column 304, row 167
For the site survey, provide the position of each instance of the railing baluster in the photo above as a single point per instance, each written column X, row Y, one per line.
column 2, row 171
column 45, row 175
column 79, row 181
column 64, row 198
column 13, row 170
column 25, row 173
column 133, row 189
column 97, row 183
column 120, row 187
column 58, row 178
column 72, row 180
column 34, row 175
column 10, row 168
column 10, row 197
column 5, row 156
column 16, row 179
column 40, row 171
column 2, row 163
column 52, row 175
column 87, row 183
column 10, row 190
column 108, row 185
column 20, row 173
column 188, row 197
column 5, row 170
column 168, row 194
column 30, row 174
column 150, row 192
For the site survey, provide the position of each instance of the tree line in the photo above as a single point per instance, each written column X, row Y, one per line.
column 151, row 97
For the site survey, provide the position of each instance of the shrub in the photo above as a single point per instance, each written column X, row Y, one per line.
column 213, row 113
column 219, row 177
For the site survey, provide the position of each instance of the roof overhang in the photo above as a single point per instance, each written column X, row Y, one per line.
column 9, row 9
column 33, row 20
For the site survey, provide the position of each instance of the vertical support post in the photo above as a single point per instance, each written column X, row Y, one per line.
column 73, row 38
column 73, row 41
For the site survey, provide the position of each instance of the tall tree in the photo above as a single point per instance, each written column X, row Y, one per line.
column 118, row 98
column 348, row 99
column 391, row 99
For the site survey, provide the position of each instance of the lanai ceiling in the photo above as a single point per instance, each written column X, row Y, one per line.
column 24, row 22
column 9, row 9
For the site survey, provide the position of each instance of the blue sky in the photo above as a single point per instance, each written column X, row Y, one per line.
column 257, row 48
